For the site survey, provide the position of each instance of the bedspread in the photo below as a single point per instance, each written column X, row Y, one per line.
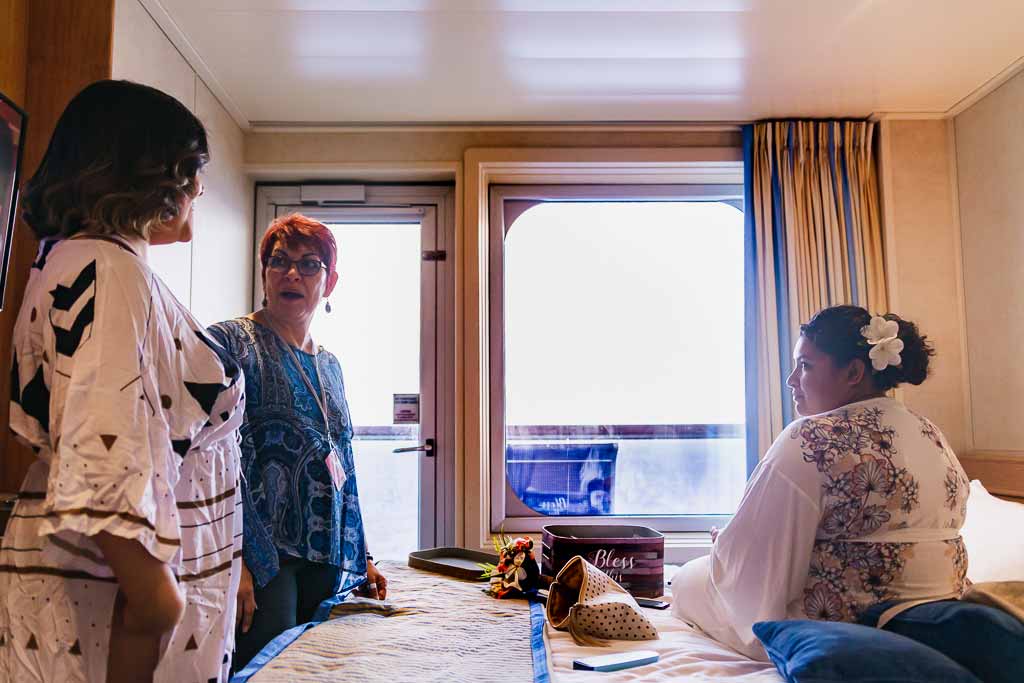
column 686, row 654
column 434, row 628
column 431, row 628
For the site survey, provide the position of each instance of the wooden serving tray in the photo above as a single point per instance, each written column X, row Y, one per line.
column 461, row 563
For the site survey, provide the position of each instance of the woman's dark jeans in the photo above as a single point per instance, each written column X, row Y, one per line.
column 985, row 640
column 289, row 599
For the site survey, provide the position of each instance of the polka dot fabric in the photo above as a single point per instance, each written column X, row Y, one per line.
column 592, row 607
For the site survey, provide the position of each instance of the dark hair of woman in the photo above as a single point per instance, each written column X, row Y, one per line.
column 121, row 160
column 836, row 331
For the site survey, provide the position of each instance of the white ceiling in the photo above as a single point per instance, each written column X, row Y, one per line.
column 349, row 61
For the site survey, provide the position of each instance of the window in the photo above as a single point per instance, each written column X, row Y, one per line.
column 618, row 378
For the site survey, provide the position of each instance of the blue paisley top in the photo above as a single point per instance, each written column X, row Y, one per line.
column 289, row 502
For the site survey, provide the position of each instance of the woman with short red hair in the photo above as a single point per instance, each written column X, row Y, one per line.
column 304, row 547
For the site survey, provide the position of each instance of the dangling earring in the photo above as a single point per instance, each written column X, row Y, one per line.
column 327, row 308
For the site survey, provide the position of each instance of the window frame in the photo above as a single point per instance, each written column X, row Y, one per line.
column 506, row 510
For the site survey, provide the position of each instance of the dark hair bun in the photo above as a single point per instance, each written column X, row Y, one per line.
column 836, row 331
column 915, row 355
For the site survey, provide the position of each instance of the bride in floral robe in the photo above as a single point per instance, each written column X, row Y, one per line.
column 859, row 503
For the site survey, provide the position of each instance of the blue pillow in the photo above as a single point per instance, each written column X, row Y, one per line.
column 987, row 641
column 806, row 651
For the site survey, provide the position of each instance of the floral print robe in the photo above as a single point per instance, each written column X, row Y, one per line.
column 848, row 509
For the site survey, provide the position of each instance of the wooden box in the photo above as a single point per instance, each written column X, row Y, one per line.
column 632, row 555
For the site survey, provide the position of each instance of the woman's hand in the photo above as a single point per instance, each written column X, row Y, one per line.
column 246, row 600
column 714, row 534
column 375, row 579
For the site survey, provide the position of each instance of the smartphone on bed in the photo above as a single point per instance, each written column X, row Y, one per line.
column 617, row 661
column 653, row 604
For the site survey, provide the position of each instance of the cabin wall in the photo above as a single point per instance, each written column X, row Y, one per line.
column 922, row 247
column 14, row 56
column 264, row 149
column 989, row 141
column 51, row 50
column 211, row 274
column 952, row 201
column 13, row 75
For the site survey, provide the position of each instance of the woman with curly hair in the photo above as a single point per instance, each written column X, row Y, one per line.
column 857, row 504
column 121, row 558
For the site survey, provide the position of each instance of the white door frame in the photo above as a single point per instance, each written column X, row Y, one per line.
column 434, row 207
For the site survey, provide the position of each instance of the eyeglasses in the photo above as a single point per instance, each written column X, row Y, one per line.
column 307, row 265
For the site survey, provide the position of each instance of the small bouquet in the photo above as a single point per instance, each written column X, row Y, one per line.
column 517, row 572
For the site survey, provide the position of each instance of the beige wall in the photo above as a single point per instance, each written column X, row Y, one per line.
column 436, row 145
column 923, row 261
column 223, row 244
column 929, row 267
column 144, row 55
column 464, row 153
column 990, row 170
column 210, row 275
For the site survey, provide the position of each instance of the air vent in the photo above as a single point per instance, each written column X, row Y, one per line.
column 329, row 195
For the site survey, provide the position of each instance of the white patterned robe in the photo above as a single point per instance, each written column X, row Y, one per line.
column 848, row 509
column 132, row 413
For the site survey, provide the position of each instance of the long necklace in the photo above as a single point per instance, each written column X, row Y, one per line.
column 332, row 460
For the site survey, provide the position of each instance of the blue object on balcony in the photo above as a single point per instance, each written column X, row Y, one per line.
column 564, row 478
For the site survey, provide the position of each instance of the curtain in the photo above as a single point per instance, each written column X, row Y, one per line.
column 815, row 240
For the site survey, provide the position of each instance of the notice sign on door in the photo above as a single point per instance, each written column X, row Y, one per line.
column 407, row 409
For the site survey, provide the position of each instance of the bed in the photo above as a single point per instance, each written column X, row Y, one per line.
column 435, row 628
column 431, row 628
column 440, row 629
column 684, row 655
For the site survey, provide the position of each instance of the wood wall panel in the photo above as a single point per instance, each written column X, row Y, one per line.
column 1002, row 473
column 13, row 66
column 14, row 55
column 69, row 45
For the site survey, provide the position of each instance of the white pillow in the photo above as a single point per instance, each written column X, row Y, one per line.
column 993, row 533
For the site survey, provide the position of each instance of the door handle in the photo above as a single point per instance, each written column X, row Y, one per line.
column 427, row 447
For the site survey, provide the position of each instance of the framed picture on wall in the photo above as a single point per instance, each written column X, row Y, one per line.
column 12, row 136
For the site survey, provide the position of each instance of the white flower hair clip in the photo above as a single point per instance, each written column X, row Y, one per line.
column 885, row 343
